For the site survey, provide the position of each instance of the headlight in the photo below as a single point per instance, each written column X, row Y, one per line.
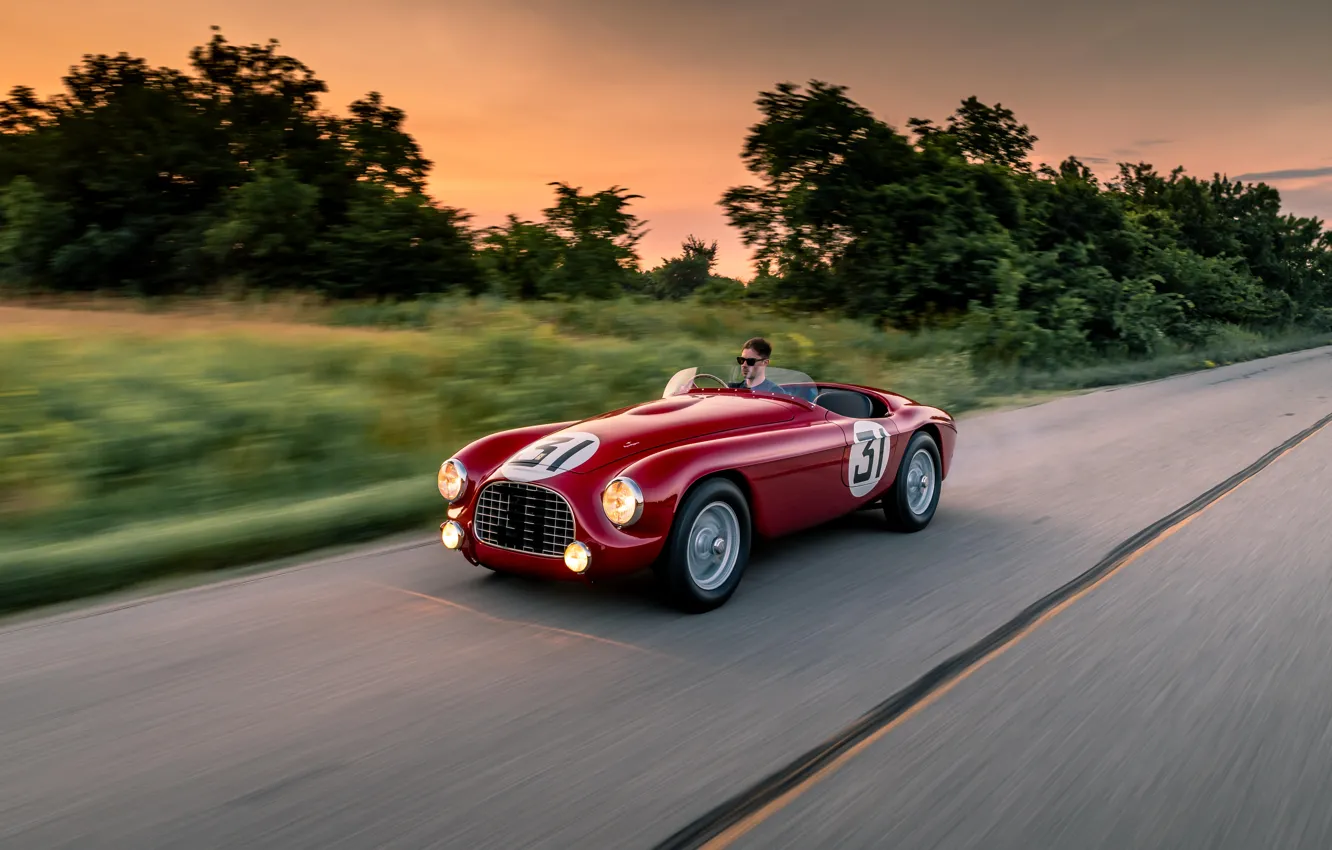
column 452, row 480
column 622, row 502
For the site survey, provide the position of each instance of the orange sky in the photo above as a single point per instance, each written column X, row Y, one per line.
column 506, row 96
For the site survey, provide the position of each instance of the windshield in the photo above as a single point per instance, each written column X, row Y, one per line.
column 722, row 375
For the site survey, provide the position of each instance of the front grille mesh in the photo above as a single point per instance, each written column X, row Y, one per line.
column 524, row 518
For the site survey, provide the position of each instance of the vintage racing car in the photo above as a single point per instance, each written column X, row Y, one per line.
column 683, row 484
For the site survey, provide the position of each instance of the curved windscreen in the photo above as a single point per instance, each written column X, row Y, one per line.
column 721, row 376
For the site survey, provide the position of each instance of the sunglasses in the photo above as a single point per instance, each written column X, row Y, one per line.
column 750, row 360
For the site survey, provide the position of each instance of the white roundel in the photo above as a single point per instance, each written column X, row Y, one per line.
column 551, row 456
column 868, row 459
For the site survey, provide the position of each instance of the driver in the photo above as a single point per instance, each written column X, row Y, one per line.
column 753, row 362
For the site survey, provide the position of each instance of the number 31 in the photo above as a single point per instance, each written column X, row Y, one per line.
column 544, row 450
column 872, row 451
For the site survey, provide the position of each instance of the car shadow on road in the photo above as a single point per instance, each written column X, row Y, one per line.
column 811, row 576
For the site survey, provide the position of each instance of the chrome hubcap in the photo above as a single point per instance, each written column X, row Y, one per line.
column 712, row 546
column 920, row 482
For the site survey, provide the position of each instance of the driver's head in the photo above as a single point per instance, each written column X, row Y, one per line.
column 753, row 360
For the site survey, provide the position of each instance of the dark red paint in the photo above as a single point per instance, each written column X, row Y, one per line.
column 789, row 456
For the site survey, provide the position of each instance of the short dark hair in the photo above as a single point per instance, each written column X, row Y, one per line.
column 760, row 345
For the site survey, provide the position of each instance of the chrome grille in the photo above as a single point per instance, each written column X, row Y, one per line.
column 524, row 518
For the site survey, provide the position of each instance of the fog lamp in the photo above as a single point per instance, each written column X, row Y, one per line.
column 451, row 534
column 577, row 556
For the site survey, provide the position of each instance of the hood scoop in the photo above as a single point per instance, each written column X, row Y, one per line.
column 666, row 405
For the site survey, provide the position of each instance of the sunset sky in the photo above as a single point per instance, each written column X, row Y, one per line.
column 506, row 96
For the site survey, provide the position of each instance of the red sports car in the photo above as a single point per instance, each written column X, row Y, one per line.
column 683, row 483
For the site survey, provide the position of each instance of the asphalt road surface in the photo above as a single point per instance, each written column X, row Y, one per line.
column 402, row 698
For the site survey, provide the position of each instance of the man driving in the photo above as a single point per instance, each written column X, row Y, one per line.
column 753, row 362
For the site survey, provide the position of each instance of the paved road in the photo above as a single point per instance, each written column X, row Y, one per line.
column 1184, row 702
column 403, row 699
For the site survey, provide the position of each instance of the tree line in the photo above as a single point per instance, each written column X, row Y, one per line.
column 1043, row 264
column 153, row 181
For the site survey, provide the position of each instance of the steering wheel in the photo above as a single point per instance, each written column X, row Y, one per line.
column 713, row 377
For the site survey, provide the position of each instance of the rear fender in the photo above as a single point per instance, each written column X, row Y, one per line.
column 911, row 418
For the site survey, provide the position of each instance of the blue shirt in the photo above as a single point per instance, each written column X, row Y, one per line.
column 764, row 386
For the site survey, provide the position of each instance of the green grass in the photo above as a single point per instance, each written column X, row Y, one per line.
column 129, row 453
column 80, row 567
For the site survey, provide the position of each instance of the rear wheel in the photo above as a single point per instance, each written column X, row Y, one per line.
column 911, row 504
column 708, row 548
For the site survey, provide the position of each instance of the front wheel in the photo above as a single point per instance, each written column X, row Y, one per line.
column 910, row 505
column 708, row 548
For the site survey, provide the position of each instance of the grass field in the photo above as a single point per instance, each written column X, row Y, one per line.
column 136, row 442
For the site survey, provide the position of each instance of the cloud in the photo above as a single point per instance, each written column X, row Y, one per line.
column 1136, row 150
column 1287, row 174
column 1309, row 201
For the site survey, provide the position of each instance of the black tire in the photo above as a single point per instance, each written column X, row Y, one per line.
column 724, row 503
column 897, row 510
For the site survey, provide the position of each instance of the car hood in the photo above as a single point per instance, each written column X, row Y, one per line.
column 593, row 443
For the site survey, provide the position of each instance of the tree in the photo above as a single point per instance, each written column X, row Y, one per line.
column 520, row 257
column 682, row 276
column 586, row 247
column 850, row 215
column 380, row 150
column 152, row 181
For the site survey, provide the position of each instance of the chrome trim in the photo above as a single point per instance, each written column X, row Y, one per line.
column 544, row 528
column 462, row 470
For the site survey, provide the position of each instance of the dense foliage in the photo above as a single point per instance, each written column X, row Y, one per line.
column 1042, row 264
column 153, row 181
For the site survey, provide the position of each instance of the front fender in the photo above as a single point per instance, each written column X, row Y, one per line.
column 483, row 456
